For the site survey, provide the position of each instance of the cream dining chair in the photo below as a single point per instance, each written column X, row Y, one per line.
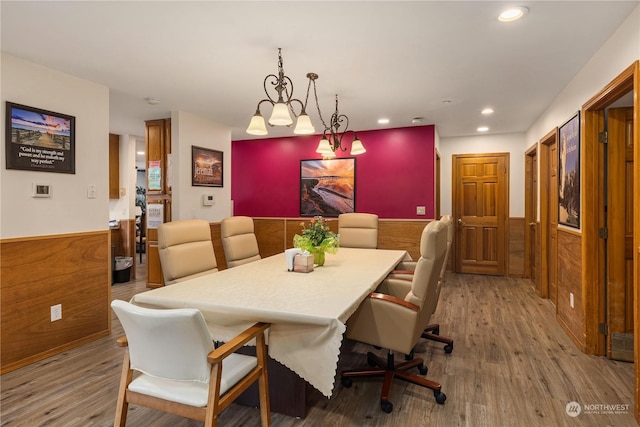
column 395, row 316
column 185, row 250
column 239, row 240
column 358, row 230
column 432, row 331
column 170, row 365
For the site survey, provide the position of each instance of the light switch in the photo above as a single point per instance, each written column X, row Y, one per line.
column 91, row 192
column 420, row 210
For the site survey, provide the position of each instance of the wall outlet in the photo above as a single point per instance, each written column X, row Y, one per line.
column 56, row 312
column 420, row 210
column 571, row 300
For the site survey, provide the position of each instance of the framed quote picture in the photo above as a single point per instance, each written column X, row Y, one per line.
column 569, row 172
column 327, row 187
column 39, row 140
column 206, row 167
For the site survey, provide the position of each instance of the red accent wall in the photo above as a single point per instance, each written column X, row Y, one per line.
column 395, row 175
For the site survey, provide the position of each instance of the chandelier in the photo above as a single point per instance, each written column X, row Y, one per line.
column 282, row 102
column 334, row 132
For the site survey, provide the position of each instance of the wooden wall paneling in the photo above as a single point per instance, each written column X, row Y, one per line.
column 636, row 233
column 570, row 282
column 399, row 234
column 216, row 238
column 516, row 254
column 270, row 233
column 39, row 272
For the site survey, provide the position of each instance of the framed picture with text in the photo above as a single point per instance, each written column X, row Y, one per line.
column 327, row 187
column 569, row 172
column 206, row 167
column 39, row 140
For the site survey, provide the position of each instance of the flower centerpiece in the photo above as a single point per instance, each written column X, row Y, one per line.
column 317, row 238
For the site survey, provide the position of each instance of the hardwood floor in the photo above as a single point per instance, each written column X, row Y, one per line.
column 512, row 365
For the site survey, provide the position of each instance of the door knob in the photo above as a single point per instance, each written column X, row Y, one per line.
column 460, row 222
column 532, row 224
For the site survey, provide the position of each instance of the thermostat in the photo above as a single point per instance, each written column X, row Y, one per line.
column 40, row 190
column 208, row 200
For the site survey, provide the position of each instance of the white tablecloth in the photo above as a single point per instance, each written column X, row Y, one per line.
column 307, row 311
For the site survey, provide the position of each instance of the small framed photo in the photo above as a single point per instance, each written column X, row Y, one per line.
column 569, row 172
column 206, row 167
column 39, row 140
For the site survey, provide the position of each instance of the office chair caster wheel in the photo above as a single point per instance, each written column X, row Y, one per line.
column 423, row 369
column 347, row 382
column 409, row 356
column 386, row 406
column 440, row 397
column 448, row 348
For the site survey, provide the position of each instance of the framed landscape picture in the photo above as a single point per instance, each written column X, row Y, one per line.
column 39, row 140
column 327, row 187
column 206, row 167
column 569, row 172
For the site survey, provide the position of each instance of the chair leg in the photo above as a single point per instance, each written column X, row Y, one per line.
column 432, row 332
column 122, row 406
column 390, row 370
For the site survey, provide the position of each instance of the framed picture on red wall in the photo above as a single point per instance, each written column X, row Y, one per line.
column 327, row 187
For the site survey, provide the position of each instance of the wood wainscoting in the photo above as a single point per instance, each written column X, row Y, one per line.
column 516, row 262
column 73, row 270
column 570, row 282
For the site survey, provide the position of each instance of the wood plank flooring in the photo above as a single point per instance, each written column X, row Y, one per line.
column 512, row 365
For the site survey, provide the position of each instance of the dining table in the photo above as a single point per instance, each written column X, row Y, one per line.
column 307, row 311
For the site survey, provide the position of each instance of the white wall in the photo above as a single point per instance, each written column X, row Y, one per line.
column 188, row 129
column 513, row 143
column 619, row 52
column 68, row 210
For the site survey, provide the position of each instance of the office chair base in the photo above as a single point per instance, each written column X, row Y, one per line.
column 432, row 332
column 389, row 370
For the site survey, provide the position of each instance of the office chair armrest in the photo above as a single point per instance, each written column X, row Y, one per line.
column 122, row 342
column 393, row 300
column 238, row 341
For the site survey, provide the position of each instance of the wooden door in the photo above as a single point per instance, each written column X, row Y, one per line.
column 480, row 194
column 531, row 214
column 552, row 229
column 620, row 198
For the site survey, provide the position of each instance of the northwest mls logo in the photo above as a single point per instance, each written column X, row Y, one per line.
column 573, row 409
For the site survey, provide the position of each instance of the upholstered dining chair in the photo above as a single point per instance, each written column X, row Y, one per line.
column 177, row 369
column 432, row 331
column 239, row 240
column 358, row 230
column 185, row 250
column 395, row 316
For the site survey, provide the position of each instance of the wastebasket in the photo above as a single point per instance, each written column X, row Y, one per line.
column 122, row 272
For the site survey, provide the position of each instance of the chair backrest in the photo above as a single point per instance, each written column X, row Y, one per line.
column 358, row 230
column 171, row 344
column 424, row 287
column 239, row 240
column 185, row 250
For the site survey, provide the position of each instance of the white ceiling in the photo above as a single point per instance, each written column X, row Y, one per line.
column 391, row 59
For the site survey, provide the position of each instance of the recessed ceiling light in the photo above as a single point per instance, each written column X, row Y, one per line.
column 141, row 153
column 417, row 120
column 383, row 121
column 487, row 111
column 513, row 14
column 482, row 129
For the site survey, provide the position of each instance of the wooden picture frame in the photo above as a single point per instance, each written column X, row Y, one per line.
column 569, row 172
column 206, row 167
column 39, row 140
column 327, row 187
